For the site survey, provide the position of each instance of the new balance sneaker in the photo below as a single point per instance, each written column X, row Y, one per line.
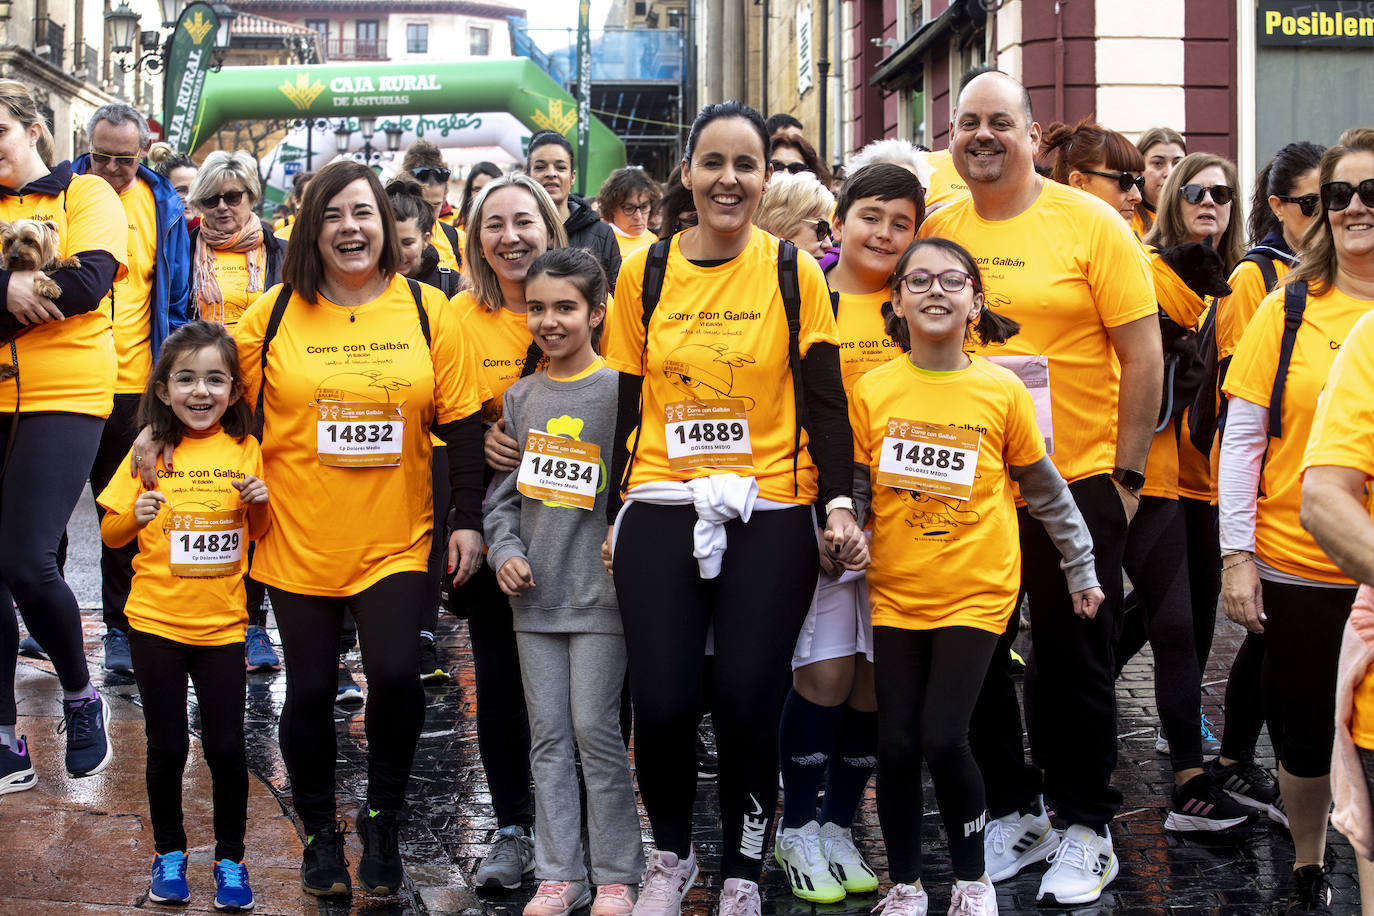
column 169, row 879
column 666, row 881
column 559, row 898
column 29, row 648
column 349, row 691
column 1247, row 782
column 904, row 900
column 1277, row 813
column 1082, row 865
column 379, row 870
column 1211, row 744
column 511, row 858
column 846, row 864
column 16, row 768
column 258, row 654
column 86, row 723
column 614, row 900
column 798, row 851
column 973, row 898
column 232, row 892
column 1200, row 804
column 324, row 869
column 740, row 897
column 1311, row 891
column 431, row 672
column 1012, row 842
column 118, row 658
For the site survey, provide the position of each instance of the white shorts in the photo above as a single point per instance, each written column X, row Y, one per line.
column 838, row 624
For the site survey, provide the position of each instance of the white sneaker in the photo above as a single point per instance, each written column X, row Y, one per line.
column 975, row 899
column 798, row 851
column 666, row 881
column 846, row 863
column 740, row 897
column 1083, row 864
column 904, row 900
column 1012, row 842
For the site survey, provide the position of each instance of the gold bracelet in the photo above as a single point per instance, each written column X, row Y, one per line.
column 1241, row 562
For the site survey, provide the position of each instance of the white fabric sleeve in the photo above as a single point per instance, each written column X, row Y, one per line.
column 1242, row 454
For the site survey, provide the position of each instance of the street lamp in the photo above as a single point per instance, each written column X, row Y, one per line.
column 367, row 126
column 394, row 133
column 341, row 136
column 223, row 32
column 123, row 24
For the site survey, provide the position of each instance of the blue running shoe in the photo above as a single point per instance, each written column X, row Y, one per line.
column 257, row 650
column 16, row 769
column 1211, row 744
column 169, row 879
column 86, row 723
column 231, row 886
column 118, row 657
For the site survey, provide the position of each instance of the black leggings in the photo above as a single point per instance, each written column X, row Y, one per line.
column 438, row 547
column 388, row 616
column 927, row 682
column 1204, row 571
column 41, row 484
column 756, row 606
column 1303, row 629
column 116, row 563
column 160, row 669
column 1245, row 701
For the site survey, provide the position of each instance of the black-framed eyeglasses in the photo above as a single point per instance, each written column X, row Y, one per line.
column 822, row 227
column 951, row 281
column 428, row 175
column 1124, row 180
column 107, row 158
column 232, row 198
column 1336, row 195
column 1221, row 194
column 791, row 168
column 631, row 210
column 1307, row 203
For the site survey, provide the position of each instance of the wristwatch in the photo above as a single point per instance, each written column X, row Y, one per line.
column 1129, row 478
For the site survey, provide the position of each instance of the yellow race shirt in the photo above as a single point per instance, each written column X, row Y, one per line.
column 720, row 334
column 931, row 553
column 69, row 365
column 629, row 244
column 946, row 185
column 864, row 343
column 1067, row 269
column 500, row 339
column 1280, row 540
column 132, row 313
column 439, row 239
column 232, row 267
column 335, row 373
column 283, row 232
column 195, row 609
column 1186, row 309
column 1235, row 311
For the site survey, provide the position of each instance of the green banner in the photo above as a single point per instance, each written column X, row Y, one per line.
column 188, row 61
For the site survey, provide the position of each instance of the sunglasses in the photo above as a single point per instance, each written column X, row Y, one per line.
column 107, row 158
column 1306, row 203
column 951, row 281
column 428, row 175
column 1124, row 180
column 631, row 210
column 822, row 228
column 232, row 198
column 1221, row 194
column 1336, row 195
column 791, row 168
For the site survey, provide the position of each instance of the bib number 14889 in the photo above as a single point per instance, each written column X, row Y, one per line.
column 713, row 433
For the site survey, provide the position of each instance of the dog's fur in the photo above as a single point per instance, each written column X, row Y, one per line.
column 30, row 244
column 1199, row 266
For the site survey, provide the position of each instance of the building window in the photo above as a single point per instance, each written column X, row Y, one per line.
column 641, row 7
column 368, row 45
column 479, row 41
column 675, row 19
column 417, row 38
column 319, row 25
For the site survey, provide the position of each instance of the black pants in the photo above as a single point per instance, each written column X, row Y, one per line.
column 1303, row 630
column 1245, row 701
column 1070, row 694
column 161, row 667
column 756, row 606
column 1157, row 560
column 116, row 563
column 388, row 620
column 927, row 682
column 1204, row 571
column 438, row 548
column 41, row 484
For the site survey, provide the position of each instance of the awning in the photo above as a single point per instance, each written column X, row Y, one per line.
column 902, row 68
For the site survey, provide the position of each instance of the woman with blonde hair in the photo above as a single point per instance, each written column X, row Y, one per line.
column 797, row 208
column 1163, row 148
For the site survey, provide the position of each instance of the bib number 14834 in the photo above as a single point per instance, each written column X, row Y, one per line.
column 562, row 471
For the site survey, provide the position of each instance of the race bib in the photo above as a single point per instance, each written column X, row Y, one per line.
column 707, row 434
column 938, row 460
column 359, row 434
column 205, row 545
column 559, row 470
column 1034, row 373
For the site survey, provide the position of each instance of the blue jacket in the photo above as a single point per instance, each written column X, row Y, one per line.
column 170, row 299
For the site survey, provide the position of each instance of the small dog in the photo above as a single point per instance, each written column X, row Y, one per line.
column 30, row 244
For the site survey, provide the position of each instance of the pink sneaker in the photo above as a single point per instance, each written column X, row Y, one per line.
column 740, row 897
column 666, row 882
column 559, row 898
column 614, row 900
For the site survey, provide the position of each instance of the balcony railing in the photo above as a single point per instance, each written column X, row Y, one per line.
column 47, row 41
column 356, row 49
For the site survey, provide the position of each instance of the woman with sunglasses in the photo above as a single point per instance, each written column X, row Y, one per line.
column 797, row 208
column 550, row 162
column 627, row 198
column 425, row 164
column 1276, row 578
column 793, row 155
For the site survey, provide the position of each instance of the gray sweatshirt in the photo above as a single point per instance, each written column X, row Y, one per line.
column 572, row 591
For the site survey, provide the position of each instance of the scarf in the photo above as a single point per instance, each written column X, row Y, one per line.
column 248, row 240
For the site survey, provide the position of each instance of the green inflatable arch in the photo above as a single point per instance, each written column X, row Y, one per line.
column 517, row 86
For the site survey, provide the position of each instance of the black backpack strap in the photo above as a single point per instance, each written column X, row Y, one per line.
column 655, row 269
column 532, row 357
column 1266, row 268
column 420, row 309
column 448, row 281
column 273, row 324
column 452, row 235
column 790, row 287
column 1294, row 304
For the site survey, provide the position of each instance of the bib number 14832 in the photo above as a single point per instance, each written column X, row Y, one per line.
column 359, row 435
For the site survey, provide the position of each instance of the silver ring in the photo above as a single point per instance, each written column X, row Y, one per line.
column 138, row 460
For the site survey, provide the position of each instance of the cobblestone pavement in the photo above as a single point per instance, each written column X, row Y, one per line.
column 84, row 846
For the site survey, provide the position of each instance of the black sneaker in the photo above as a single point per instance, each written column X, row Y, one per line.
column 1247, row 782
column 349, row 691
column 1311, row 891
column 379, row 872
column 324, row 870
column 431, row 672
column 1201, row 805
column 706, row 761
